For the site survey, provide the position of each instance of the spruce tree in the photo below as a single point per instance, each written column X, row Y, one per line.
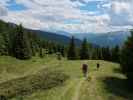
column 41, row 53
column 62, row 51
column 84, row 52
column 106, row 53
column 71, row 54
column 93, row 54
column 116, row 54
column 21, row 45
column 127, row 58
column 2, row 45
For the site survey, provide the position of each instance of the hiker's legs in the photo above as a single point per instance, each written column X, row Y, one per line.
column 85, row 74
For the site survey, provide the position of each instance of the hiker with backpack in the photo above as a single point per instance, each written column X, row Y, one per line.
column 98, row 66
column 85, row 69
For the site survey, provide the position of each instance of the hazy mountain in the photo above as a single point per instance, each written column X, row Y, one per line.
column 101, row 39
column 105, row 39
column 55, row 37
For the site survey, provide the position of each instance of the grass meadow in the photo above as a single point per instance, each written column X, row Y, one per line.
column 107, row 83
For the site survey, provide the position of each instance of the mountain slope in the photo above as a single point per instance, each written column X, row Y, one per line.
column 50, row 36
column 101, row 39
column 62, row 39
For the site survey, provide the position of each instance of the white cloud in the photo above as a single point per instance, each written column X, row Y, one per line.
column 121, row 13
column 3, row 11
column 4, row 2
column 52, row 15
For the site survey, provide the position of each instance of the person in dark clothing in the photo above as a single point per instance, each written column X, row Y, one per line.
column 98, row 66
column 85, row 69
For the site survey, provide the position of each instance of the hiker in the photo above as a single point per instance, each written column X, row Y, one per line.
column 85, row 69
column 98, row 66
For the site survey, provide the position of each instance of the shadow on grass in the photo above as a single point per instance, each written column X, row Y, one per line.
column 117, row 70
column 118, row 87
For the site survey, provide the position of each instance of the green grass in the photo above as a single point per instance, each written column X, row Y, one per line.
column 107, row 83
column 43, row 80
column 11, row 68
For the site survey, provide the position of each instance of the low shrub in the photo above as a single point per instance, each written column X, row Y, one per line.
column 22, row 86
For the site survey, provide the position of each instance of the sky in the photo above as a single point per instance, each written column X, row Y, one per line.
column 73, row 16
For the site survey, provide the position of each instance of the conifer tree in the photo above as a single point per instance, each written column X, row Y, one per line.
column 84, row 52
column 116, row 54
column 106, row 53
column 93, row 54
column 127, row 58
column 41, row 53
column 2, row 45
column 62, row 51
column 71, row 54
column 21, row 44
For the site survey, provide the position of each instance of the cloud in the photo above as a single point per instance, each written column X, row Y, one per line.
column 66, row 15
column 3, row 11
column 121, row 13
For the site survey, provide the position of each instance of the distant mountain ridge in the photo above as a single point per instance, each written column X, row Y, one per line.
column 109, row 39
column 55, row 37
column 52, row 36
column 105, row 39
column 98, row 39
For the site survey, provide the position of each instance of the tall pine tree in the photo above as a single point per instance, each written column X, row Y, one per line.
column 21, row 45
column 84, row 52
column 106, row 53
column 127, row 58
column 71, row 54
column 116, row 54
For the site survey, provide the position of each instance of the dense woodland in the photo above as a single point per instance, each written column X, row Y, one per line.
column 23, row 44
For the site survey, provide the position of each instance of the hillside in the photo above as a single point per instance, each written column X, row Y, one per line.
column 50, row 36
column 100, row 39
column 103, row 84
column 55, row 37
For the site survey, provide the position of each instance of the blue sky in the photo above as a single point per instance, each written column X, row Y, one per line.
column 13, row 6
column 73, row 16
column 90, row 6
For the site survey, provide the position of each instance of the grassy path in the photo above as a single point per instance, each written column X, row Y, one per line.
column 77, row 90
column 72, row 90
column 90, row 89
column 68, row 90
